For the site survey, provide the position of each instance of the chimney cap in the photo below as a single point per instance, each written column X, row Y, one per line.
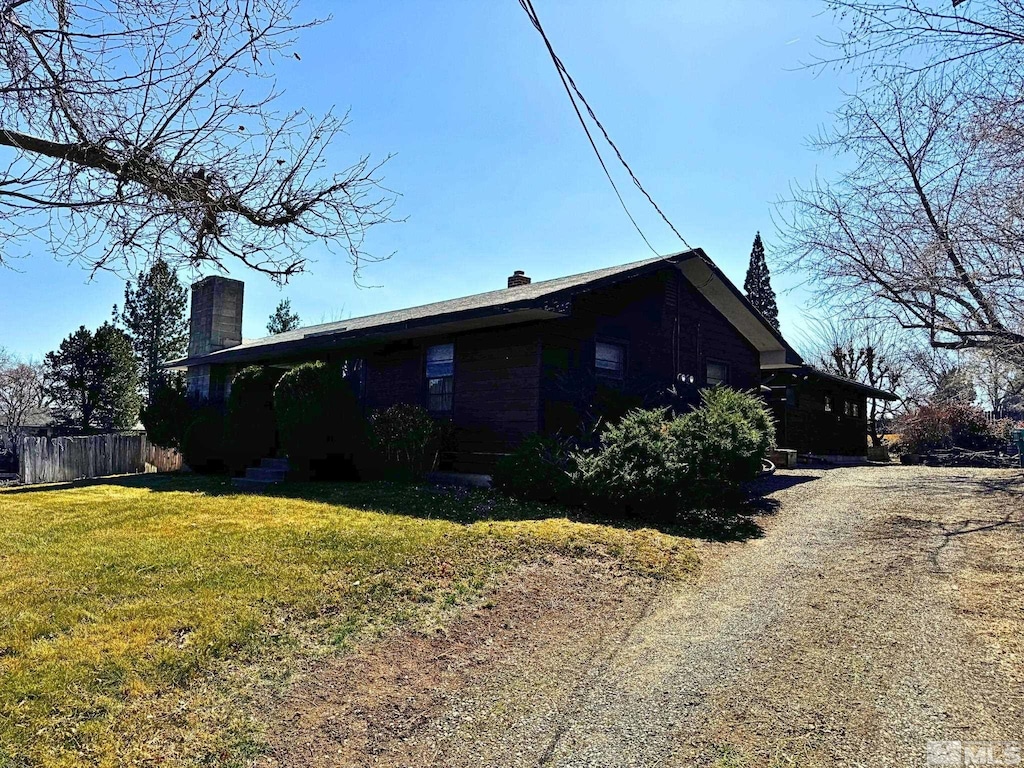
column 518, row 278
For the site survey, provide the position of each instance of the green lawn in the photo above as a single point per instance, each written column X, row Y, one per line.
column 137, row 615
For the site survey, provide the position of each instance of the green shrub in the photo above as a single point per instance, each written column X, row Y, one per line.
column 539, row 469
column 168, row 413
column 719, row 452
column 650, row 465
column 203, row 443
column 250, row 430
column 637, row 467
column 407, row 438
column 320, row 423
column 750, row 407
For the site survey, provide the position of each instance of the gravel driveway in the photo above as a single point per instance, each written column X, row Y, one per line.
column 882, row 608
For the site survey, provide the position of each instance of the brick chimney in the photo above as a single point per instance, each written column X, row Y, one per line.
column 216, row 319
column 518, row 278
column 216, row 323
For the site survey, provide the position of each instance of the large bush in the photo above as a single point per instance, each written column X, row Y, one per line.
column 949, row 425
column 652, row 465
column 637, row 467
column 250, row 430
column 722, row 444
column 407, row 439
column 320, row 423
column 540, row 469
column 168, row 413
column 202, row 446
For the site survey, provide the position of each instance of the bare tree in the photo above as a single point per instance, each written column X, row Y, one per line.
column 923, row 229
column 861, row 351
column 22, row 395
column 135, row 127
column 937, row 376
column 1001, row 385
column 909, row 37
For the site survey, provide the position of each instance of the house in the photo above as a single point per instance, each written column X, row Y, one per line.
column 528, row 358
column 820, row 414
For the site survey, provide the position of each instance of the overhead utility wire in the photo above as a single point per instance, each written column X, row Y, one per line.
column 568, row 83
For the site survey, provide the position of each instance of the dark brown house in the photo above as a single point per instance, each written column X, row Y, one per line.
column 820, row 414
column 528, row 358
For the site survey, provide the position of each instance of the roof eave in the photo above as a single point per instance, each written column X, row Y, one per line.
column 440, row 324
column 774, row 351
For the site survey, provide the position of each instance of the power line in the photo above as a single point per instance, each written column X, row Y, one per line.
column 571, row 88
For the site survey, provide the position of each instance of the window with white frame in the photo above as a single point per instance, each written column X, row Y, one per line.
column 717, row 373
column 440, row 378
column 610, row 360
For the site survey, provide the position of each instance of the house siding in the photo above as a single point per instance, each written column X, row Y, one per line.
column 509, row 381
column 808, row 428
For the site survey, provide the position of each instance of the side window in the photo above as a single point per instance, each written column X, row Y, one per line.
column 792, row 398
column 855, row 409
column 440, row 378
column 610, row 360
column 829, row 404
column 717, row 373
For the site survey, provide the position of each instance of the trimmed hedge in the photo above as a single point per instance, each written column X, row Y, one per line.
column 320, row 423
column 721, row 444
column 168, row 413
column 250, row 429
column 637, row 468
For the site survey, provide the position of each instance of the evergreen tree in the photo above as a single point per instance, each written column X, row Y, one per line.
column 154, row 315
column 283, row 318
column 93, row 380
column 758, row 284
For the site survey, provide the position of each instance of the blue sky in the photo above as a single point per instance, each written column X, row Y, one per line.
column 707, row 102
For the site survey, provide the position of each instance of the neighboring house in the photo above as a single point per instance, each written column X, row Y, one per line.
column 821, row 414
column 38, row 423
column 531, row 357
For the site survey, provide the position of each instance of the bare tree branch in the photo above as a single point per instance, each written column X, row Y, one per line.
column 139, row 126
column 923, row 228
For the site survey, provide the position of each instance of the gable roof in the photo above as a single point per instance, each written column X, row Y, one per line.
column 542, row 300
column 809, row 371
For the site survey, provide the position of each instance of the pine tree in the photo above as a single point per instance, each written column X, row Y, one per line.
column 93, row 380
column 283, row 318
column 758, row 284
column 154, row 315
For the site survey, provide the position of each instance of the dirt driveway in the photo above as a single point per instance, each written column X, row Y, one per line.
column 882, row 608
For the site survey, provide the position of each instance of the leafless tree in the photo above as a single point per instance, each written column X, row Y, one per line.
column 979, row 38
column 1001, row 385
column 869, row 353
column 937, row 376
column 22, row 395
column 923, row 228
column 134, row 127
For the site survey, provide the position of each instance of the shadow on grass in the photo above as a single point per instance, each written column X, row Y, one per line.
column 736, row 520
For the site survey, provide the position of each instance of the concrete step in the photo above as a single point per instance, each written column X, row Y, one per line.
column 265, row 474
column 274, row 464
column 250, row 485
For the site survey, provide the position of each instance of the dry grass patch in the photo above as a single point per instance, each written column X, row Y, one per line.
column 129, row 609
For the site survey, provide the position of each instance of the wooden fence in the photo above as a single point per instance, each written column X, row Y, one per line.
column 62, row 459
